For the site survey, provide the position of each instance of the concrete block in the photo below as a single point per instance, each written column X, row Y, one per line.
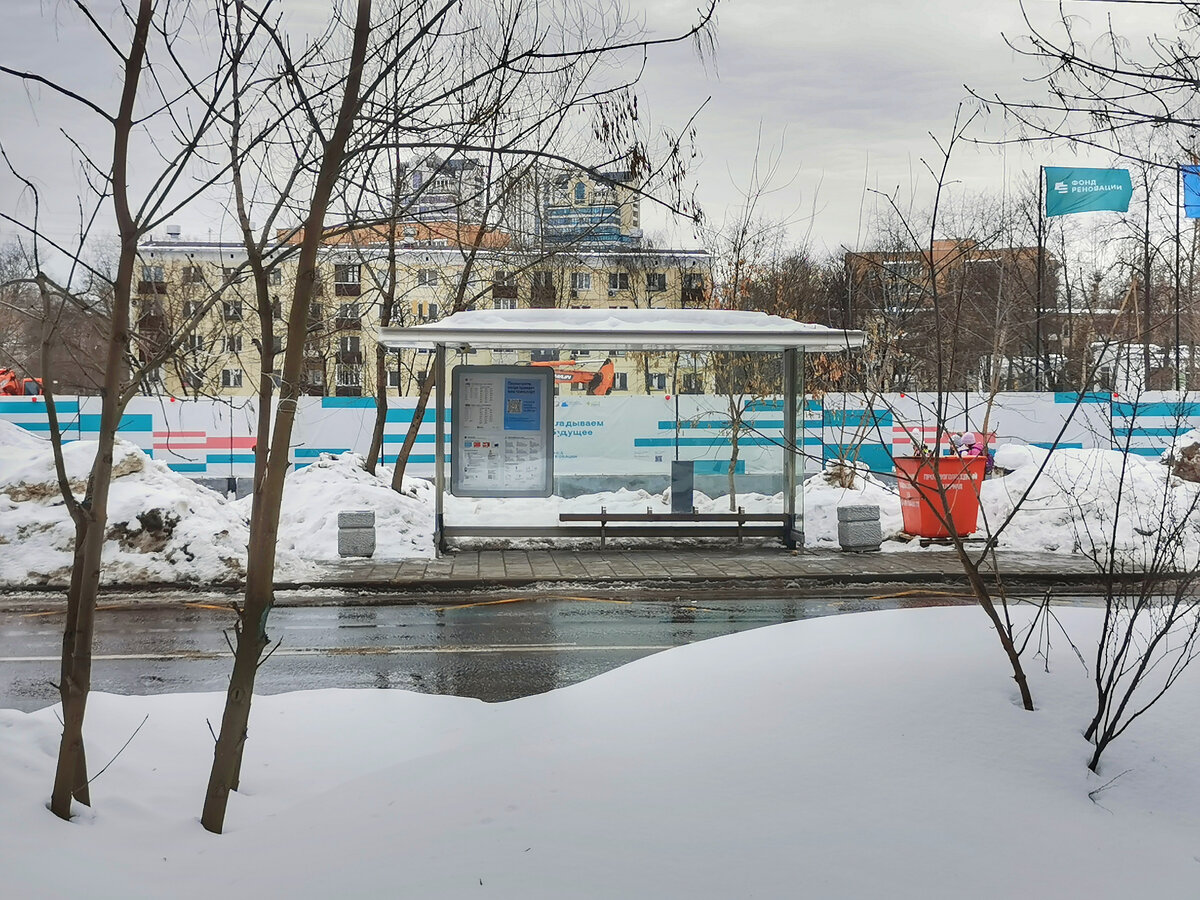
column 356, row 518
column 356, row 542
column 859, row 529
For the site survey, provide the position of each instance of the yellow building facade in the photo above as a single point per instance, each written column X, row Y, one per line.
column 358, row 286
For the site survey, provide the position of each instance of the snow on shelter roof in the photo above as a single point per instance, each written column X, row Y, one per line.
column 621, row 329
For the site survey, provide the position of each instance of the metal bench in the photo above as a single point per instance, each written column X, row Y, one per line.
column 651, row 524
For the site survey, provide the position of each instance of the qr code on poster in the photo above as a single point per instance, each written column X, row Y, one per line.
column 514, row 406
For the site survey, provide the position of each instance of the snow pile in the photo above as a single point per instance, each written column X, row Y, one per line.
column 876, row 755
column 165, row 528
column 1088, row 501
column 314, row 495
column 161, row 525
column 823, row 495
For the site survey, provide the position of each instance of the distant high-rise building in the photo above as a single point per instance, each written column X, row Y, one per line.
column 602, row 211
column 441, row 190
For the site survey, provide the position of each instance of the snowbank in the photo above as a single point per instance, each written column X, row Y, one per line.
column 164, row 527
column 314, row 495
column 1088, row 501
column 161, row 525
column 874, row 755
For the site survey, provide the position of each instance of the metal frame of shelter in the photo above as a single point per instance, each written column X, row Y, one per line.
column 638, row 330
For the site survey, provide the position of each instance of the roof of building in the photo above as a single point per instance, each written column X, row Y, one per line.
column 622, row 329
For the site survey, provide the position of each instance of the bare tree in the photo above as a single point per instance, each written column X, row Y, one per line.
column 538, row 48
column 165, row 105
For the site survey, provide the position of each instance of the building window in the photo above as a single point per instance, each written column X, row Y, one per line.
column 504, row 303
column 275, row 276
column 193, row 380
column 231, row 378
column 427, row 277
column 691, row 383
column 543, row 355
column 232, row 275
column 233, row 343
column 580, row 192
column 393, row 378
column 427, row 311
column 347, row 280
column 190, row 308
column 276, row 309
column 348, row 316
column 195, row 342
column 232, row 310
column 656, row 381
column 620, row 381
column 581, row 281
column 504, row 278
column 153, row 274
column 543, row 279
column 618, row 281
column 693, row 281
column 580, row 354
column 192, row 275
column 350, row 344
column 656, row 281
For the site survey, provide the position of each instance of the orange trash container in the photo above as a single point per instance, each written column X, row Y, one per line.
column 918, row 478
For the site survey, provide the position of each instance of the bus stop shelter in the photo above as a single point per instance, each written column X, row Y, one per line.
column 639, row 330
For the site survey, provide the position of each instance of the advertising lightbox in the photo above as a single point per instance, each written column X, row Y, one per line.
column 502, row 431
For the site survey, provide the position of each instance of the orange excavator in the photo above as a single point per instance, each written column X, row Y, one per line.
column 11, row 385
column 599, row 381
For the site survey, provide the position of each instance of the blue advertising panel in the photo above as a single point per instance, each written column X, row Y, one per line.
column 523, row 403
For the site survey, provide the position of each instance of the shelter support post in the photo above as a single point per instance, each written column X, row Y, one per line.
column 793, row 397
column 439, row 448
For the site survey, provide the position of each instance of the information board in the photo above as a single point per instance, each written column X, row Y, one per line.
column 502, row 431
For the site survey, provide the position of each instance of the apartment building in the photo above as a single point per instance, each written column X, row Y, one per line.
column 435, row 276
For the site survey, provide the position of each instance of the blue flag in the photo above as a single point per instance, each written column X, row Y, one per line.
column 1191, row 191
column 1086, row 190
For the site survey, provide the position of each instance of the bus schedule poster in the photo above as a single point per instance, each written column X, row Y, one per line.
column 502, row 431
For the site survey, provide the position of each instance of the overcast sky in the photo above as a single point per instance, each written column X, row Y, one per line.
column 845, row 93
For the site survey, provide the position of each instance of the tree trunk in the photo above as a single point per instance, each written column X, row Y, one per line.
column 260, row 568
column 77, row 683
column 984, row 598
column 70, row 629
column 410, row 437
column 375, row 453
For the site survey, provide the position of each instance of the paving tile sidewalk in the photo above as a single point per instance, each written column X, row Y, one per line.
column 665, row 567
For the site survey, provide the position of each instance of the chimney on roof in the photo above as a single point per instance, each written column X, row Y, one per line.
column 173, row 232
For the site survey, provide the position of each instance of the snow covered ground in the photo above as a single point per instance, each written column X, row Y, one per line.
column 164, row 527
column 860, row 756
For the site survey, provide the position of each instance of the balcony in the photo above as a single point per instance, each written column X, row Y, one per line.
column 504, row 292
column 345, row 323
column 346, row 289
column 691, row 297
column 350, row 357
column 152, row 287
column 541, row 297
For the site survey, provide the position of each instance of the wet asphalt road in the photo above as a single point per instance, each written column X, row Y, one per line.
column 493, row 651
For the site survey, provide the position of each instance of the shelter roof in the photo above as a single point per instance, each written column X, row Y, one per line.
column 621, row 329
